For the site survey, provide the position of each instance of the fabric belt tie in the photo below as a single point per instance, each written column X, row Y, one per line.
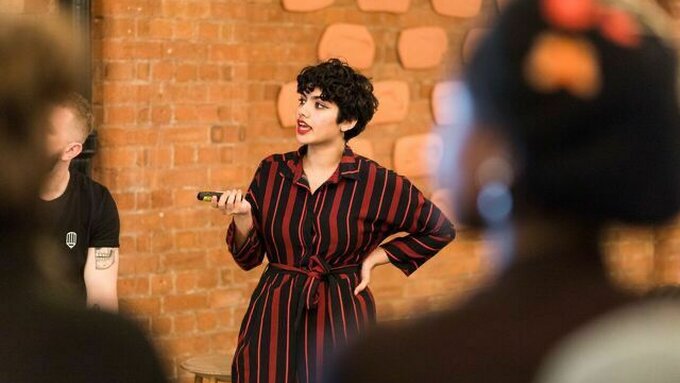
column 318, row 273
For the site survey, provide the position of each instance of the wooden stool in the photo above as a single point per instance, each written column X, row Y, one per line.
column 210, row 368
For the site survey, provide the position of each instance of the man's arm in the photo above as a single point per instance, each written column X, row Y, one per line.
column 101, row 278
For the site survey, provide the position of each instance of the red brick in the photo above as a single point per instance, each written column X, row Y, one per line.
column 187, row 199
column 143, row 200
column 209, row 31
column 184, row 29
column 163, row 70
column 120, row 157
column 118, row 27
column 198, row 9
column 186, row 281
column 138, row 221
column 162, row 241
column 126, row 49
column 196, row 178
column 222, row 93
column 208, row 155
column 128, row 8
column 207, row 279
column 186, row 302
column 120, row 70
column 158, row 156
column 128, row 243
column 133, row 286
column 160, row 28
column 224, row 317
column 193, row 93
column 186, row 72
column 174, row 8
column 143, row 70
column 125, row 201
column 227, row 52
column 184, row 260
column 161, row 114
column 227, row 298
column 161, row 284
column 227, row 11
column 136, row 264
column 184, row 324
column 186, row 240
column 185, row 50
column 185, row 219
column 143, row 244
column 37, row 6
column 206, row 321
column 227, row 177
column 184, row 155
column 110, row 136
column 119, row 115
column 185, row 134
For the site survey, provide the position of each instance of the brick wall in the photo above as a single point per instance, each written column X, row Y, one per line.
column 185, row 95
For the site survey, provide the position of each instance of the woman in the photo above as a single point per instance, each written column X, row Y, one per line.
column 573, row 124
column 320, row 214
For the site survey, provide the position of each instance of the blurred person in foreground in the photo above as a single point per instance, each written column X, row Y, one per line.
column 82, row 213
column 44, row 337
column 572, row 123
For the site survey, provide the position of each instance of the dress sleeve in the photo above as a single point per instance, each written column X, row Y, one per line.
column 251, row 252
column 428, row 228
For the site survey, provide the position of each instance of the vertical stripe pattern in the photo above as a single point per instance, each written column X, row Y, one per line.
column 304, row 307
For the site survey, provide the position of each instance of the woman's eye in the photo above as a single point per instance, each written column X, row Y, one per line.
column 301, row 101
column 320, row 106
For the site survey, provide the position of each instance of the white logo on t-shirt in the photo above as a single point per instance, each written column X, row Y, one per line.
column 71, row 239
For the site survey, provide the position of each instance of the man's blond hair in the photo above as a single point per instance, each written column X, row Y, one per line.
column 82, row 110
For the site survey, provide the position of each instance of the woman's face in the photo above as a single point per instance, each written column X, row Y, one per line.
column 317, row 120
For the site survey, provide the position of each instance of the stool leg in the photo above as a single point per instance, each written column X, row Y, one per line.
column 198, row 379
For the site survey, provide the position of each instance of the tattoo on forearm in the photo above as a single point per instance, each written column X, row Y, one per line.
column 104, row 258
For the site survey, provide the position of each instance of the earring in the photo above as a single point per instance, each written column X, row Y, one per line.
column 494, row 201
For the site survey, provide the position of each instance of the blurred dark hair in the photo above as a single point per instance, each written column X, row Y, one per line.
column 612, row 156
column 351, row 91
column 35, row 73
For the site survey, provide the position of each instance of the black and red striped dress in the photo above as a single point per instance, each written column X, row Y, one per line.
column 303, row 307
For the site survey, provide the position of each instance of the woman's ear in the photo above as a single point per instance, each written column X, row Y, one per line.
column 347, row 125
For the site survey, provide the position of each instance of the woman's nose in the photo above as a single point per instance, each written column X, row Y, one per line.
column 302, row 110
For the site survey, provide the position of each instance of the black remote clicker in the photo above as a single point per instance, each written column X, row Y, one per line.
column 207, row 195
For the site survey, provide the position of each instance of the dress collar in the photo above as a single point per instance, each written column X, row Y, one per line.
column 347, row 168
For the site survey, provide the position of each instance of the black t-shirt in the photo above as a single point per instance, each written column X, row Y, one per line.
column 84, row 216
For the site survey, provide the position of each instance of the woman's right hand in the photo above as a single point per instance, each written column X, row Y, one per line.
column 232, row 202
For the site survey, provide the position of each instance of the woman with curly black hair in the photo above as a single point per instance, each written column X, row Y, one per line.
column 320, row 214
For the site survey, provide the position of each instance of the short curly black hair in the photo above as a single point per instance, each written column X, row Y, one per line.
column 351, row 91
